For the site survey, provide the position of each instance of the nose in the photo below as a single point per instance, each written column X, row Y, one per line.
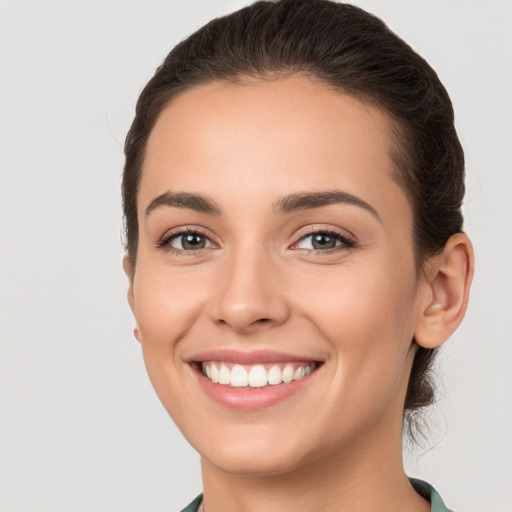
column 250, row 294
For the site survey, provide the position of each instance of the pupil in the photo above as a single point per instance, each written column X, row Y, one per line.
column 193, row 241
column 323, row 242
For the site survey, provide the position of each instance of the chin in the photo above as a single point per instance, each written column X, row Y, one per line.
column 260, row 455
column 254, row 464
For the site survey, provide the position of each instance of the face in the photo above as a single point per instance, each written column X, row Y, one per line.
column 275, row 291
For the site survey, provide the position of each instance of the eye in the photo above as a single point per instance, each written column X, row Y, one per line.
column 323, row 241
column 187, row 241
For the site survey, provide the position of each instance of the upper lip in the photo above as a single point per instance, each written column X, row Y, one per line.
column 247, row 357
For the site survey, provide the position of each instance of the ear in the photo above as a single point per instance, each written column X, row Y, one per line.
column 445, row 292
column 130, row 271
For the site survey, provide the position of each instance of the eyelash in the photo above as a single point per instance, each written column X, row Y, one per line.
column 346, row 242
column 165, row 242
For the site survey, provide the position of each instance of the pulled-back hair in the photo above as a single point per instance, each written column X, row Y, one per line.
column 351, row 51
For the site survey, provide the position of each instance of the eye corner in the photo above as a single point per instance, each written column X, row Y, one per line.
column 198, row 241
column 334, row 241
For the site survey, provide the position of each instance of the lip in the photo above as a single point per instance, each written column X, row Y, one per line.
column 252, row 357
column 249, row 399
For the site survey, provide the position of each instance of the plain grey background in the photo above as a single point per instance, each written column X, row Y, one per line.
column 80, row 426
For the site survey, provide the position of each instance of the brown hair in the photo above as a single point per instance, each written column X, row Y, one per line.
column 347, row 49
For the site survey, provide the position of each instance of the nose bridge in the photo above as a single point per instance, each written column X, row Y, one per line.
column 249, row 294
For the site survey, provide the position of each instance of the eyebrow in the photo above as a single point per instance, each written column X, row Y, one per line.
column 310, row 200
column 293, row 202
column 197, row 202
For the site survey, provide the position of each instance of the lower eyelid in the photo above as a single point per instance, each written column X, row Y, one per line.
column 342, row 241
column 176, row 236
column 166, row 238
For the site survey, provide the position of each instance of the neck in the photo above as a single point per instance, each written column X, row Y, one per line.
column 367, row 476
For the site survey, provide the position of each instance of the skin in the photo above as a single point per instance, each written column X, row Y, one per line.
column 336, row 444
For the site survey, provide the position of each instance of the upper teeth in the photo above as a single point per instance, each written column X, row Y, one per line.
column 255, row 376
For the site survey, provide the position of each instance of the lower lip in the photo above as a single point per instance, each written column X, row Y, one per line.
column 250, row 399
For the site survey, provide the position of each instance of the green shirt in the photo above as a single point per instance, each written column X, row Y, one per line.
column 422, row 488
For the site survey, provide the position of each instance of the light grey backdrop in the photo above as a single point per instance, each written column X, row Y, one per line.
column 81, row 428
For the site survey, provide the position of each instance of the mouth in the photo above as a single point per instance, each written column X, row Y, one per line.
column 255, row 376
column 252, row 381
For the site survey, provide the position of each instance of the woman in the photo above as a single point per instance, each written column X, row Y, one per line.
column 292, row 195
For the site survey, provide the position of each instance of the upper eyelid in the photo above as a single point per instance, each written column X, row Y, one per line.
column 308, row 231
column 165, row 242
column 183, row 230
column 300, row 234
column 346, row 242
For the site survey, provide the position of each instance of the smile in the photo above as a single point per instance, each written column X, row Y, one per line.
column 255, row 375
column 253, row 380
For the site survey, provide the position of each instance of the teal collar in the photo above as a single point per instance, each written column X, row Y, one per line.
column 428, row 492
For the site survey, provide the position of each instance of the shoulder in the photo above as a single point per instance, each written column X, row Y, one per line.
column 427, row 491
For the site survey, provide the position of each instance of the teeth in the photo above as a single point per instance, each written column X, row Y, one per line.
column 255, row 376
column 224, row 375
column 299, row 373
column 275, row 375
column 215, row 373
column 239, row 377
column 288, row 373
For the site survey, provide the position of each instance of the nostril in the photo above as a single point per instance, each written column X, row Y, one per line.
column 258, row 322
column 243, row 315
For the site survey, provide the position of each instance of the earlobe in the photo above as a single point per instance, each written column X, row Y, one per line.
column 445, row 292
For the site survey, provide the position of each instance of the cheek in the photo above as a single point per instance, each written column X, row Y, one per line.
column 361, row 299
column 166, row 304
column 368, row 319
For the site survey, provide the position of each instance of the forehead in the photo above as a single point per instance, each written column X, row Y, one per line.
column 277, row 136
